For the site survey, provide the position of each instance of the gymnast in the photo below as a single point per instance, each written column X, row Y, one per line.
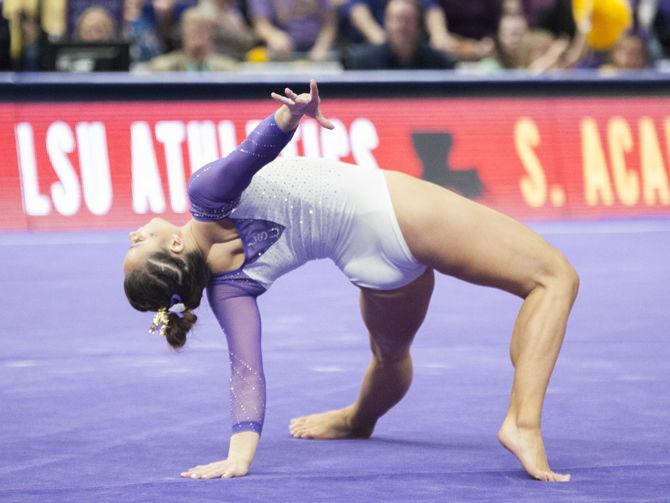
column 257, row 216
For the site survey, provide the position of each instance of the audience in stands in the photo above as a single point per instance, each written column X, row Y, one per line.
column 141, row 31
column 232, row 34
column 509, row 48
column 197, row 51
column 551, row 29
column 95, row 24
column 555, row 16
column 97, row 15
column 490, row 35
column 404, row 46
column 652, row 21
column 630, row 53
column 364, row 20
column 5, row 60
column 549, row 41
column 24, row 22
column 464, row 29
column 288, row 27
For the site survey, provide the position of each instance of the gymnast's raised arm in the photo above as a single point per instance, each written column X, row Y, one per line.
column 215, row 188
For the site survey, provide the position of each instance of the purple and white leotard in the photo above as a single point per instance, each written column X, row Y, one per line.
column 292, row 211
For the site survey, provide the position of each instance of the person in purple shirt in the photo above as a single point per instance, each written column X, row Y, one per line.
column 465, row 29
column 288, row 27
column 257, row 217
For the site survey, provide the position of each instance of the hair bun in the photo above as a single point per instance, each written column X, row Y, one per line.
column 178, row 328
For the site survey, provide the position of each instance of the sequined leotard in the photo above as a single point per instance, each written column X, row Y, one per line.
column 291, row 211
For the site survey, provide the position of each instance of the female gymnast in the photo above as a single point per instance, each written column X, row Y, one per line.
column 387, row 232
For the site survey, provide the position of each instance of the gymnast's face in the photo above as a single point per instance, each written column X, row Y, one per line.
column 156, row 235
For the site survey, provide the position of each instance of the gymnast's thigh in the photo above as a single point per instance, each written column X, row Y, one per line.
column 393, row 317
column 464, row 239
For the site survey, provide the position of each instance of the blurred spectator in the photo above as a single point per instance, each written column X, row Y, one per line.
column 28, row 22
column 558, row 20
column 294, row 26
column 629, row 53
column 552, row 15
column 5, row 60
column 364, row 20
column 652, row 21
column 95, row 24
column 232, row 35
column 543, row 51
column 167, row 16
column 464, row 29
column 30, row 35
column 509, row 44
column 139, row 28
column 538, row 50
column 404, row 47
column 474, row 19
column 76, row 8
column 662, row 27
column 151, row 26
column 95, row 45
column 197, row 52
column 599, row 25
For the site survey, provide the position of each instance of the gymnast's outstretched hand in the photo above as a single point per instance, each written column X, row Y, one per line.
column 226, row 468
column 241, row 453
column 297, row 105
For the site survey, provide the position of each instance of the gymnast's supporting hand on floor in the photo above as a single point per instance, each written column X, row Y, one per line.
column 257, row 216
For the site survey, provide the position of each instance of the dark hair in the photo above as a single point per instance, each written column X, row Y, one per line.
column 416, row 4
column 151, row 288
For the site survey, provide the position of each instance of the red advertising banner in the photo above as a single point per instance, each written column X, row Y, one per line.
column 112, row 165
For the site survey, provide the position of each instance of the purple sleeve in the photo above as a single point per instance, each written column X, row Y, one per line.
column 260, row 8
column 237, row 312
column 215, row 188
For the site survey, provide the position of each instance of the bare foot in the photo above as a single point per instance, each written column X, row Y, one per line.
column 329, row 425
column 528, row 447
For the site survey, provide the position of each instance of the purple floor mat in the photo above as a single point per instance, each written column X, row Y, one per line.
column 94, row 409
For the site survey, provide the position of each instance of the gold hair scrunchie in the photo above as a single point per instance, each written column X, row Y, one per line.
column 160, row 322
column 162, row 317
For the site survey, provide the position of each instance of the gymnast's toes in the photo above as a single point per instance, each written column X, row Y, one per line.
column 558, row 477
column 297, row 431
column 527, row 445
column 549, row 476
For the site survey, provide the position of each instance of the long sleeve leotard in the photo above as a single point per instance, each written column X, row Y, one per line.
column 215, row 191
column 289, row 212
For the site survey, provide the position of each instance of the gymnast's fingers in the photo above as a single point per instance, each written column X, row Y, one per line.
column 229, row 474
column 282, row 99
column 190, row 471
column 211, row 473
column 324, row 122
column 290, row 93
column 205, row 474
column 314, row 89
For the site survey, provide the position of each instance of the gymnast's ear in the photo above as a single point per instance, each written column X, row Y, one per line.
column 176, row 243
